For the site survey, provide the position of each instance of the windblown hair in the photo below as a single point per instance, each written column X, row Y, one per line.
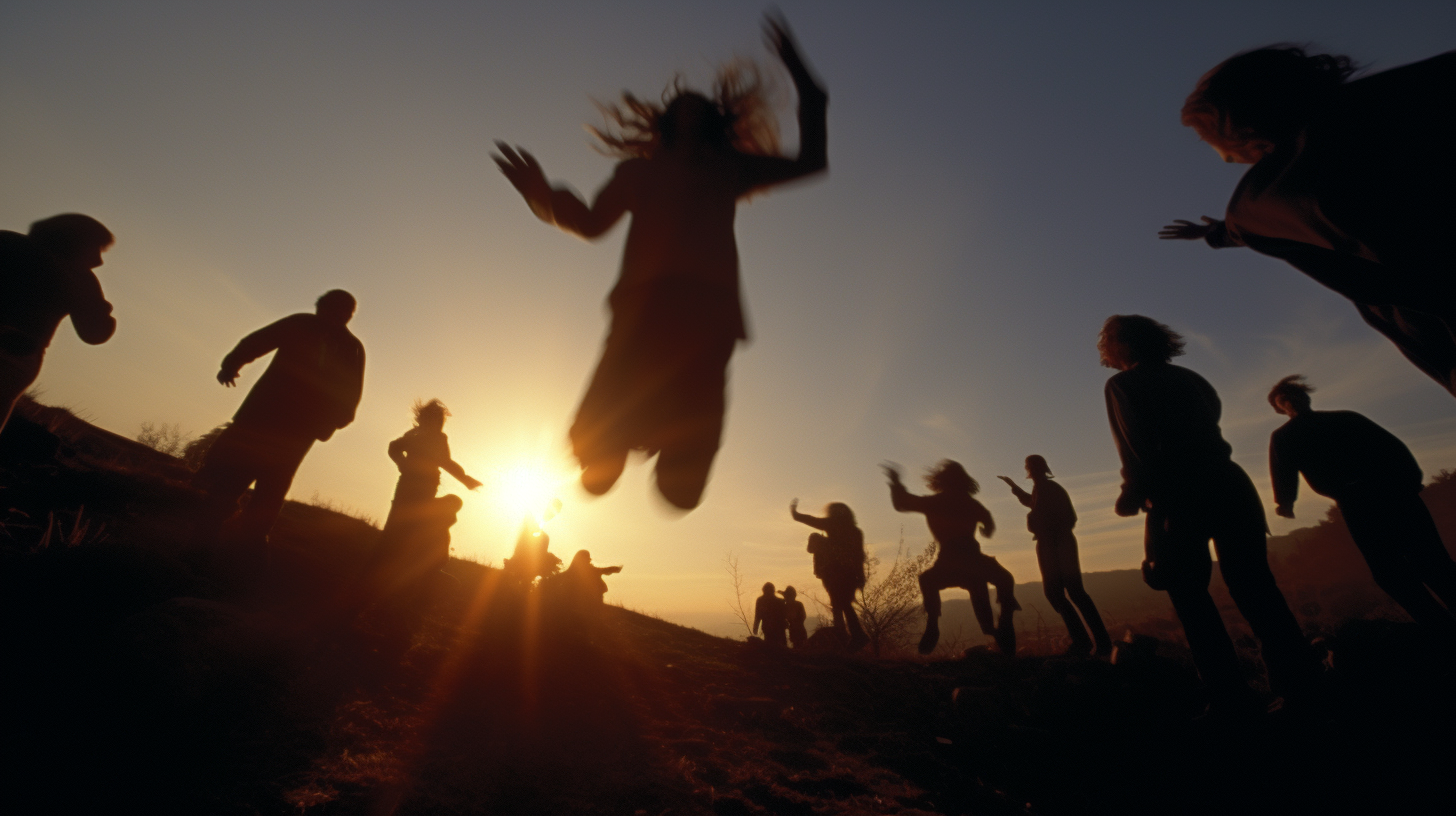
column 71, row 232
column 434, row 407
column 1145, row 339
column 1293, row 388
column 948, row 476
column 839, row 511
column 1258, row 99
column 740, row 117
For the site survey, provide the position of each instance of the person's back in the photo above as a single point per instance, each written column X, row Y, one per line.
column 1341, row 453
column 1165, row 422
column 314, row 381
column 33, row 295
column 1051, row 510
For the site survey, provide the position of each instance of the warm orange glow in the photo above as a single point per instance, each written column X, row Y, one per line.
column 528, row 489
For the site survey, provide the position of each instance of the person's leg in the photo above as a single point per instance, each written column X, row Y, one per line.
column 226, row 471
column 932, row 581
column 1055, row 589
column 991, row 572
column 281, row 461
column 1404, row 552
column 691, row 426
column 1070, row 567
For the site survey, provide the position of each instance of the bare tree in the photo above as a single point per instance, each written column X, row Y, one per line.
column 890, row 606
column 730, row 563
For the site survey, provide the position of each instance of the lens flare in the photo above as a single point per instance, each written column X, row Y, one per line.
column 528, row 489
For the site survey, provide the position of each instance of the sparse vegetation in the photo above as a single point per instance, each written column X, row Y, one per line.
column 165, row 438
column 890, row 607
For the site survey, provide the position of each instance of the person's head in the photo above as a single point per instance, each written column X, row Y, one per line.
column 736, row 116
column 790, row 593
column 1257, row 100
column 430, row 414
column 1037, row 467
column 1290, row 395
column 75, row 240
column 839, row 511
column 581, row 559
column 1127, row 340
column 335, row 306
column 948, row 476
column 768, row 589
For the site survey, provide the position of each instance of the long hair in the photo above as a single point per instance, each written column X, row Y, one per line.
column 740, row 117
column 839, row 511
column 949, row 476
column 1258, row 99
column 1144, row 339
column 1293, row 388
column 425, row 410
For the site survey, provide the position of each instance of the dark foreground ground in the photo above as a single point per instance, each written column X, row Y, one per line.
column 141, row 676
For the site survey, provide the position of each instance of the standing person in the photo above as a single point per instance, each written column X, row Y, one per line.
column 1176, row 467
column 1351, row 184
column 676, row 308
column 45, row 276
column 839, row 559
column 953, row 515
column 795, row 616
column 1050, row 522
column 416, row 536
column 1376, row 483
column 770, row 611
column 310, row 389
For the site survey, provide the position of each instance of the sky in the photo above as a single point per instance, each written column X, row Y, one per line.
column 997, row 176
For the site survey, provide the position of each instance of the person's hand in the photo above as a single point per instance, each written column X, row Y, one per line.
column 781, row 41
column 1009, row 483
column 471, row 483
column 1284, row 510
column 227, row 378
column 892, row 472
column 1127, row 505
column 1181, row 230
column 525, row 174
column 794, row 507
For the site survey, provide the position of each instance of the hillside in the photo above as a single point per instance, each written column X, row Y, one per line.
column 145, row 676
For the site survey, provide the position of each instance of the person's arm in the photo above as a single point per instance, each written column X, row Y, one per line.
column 1133, row 496
column 1021, row 495
column 1212, row 230
column 396, row 450
column 90, row 311
column 450, row 466
column 560, row 205
column 813, row 521
column 353, row 389
column 1284, row 473
column 988, row 525
column 255, row 345
column 902, row 499
column 757, row 615
column 766, row 171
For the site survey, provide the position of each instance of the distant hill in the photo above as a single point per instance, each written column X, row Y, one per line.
column 146, row 674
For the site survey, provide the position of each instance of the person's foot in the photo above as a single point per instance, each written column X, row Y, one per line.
column 930, row 638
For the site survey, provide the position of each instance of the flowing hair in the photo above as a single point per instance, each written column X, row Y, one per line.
column 434, row 407
column 740, row 116
column 1261, row 98
column 949, row 476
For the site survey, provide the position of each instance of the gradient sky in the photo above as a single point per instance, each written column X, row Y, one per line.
column 998, row 174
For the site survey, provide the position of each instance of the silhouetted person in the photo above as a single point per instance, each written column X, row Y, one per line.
column 1351, row 184
column 417, row 532
column 310, row 389
column 531, row 558
column 583, row 581
column 1176, row 466
column 953, row 515
column 44, row 277
column 770, row 611
column 1376, row 483
column 795, row 616
column 676, row 309
column 839, row 558
column 1050, row 522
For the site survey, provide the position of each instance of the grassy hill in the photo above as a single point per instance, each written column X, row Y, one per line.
column 144, row 675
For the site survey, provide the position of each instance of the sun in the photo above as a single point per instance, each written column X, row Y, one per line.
column 528, row 489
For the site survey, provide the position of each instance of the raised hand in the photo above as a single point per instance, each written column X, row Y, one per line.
column 781, row 42
column 892, row 471
column 1181, row 230
column 794, row 507
column 525, row 174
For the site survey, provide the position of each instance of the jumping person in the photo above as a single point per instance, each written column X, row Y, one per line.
column 1176, row 467
column 839, row 562
column 1050, row 522
column 45, row 276
column 953, row 516
column 1351, row 184
column 310, row 389
column 676, row 308
column 1376, row 483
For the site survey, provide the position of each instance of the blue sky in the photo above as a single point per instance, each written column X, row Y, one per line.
column 998, row 173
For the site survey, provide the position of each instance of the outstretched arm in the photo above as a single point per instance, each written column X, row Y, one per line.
column 765, row 171
column 902, row 499
column 1021, row 495
column 813, row 521
column 560, row 205
column 250, row 348
column 453, row 468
